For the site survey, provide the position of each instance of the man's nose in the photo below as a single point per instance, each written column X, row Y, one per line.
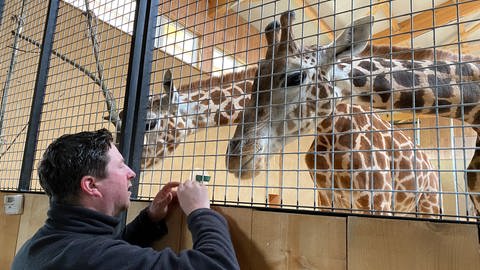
column 131, row 174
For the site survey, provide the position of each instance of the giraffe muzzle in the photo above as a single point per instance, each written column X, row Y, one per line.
column 242, row 159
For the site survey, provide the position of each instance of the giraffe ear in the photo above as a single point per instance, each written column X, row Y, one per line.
column 168, row 82
column 272, row 34
column 353, row 39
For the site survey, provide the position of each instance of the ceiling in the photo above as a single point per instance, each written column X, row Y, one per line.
column 315, row 20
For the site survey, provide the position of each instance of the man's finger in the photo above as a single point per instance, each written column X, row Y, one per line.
column 165, row 190
column 170, row 185
column 168, row 199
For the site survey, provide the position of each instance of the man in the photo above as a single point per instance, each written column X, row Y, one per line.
column 88, row 184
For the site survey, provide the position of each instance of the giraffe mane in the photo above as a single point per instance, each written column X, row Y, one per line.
column 381, row 51
column 405, row 53
column 226, row 78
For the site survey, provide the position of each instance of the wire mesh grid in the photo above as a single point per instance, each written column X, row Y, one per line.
column 18, row 62
column 263, row 139
column 87, row 77
column 194, row 130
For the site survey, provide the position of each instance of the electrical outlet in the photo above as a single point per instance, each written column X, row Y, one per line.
column 13, row 204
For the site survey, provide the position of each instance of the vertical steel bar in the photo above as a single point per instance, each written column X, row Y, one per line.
column 136, row 92
column 38, row 96
column 2, row 6
column 136, row 95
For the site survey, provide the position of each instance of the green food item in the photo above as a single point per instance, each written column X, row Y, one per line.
column 202, row 178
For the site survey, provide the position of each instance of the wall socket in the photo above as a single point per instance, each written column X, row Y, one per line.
column 13, row 204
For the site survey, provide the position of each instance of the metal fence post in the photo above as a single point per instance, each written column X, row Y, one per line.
column 38, row 97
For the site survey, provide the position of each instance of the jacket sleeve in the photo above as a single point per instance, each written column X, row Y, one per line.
column 212, row 245
column 142, row 231
column 212, row 249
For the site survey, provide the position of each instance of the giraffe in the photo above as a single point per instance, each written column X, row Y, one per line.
column 367, row 161
column 166, row 124
column 297, row 87
column 177, row 113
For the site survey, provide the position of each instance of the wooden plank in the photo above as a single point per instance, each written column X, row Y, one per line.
column 174, row 223
column 8, row 235
column 385, row 8
column 403, row 244
column 294, row 241
column 312, row 14
column 240, row 227
column 218, row 7
column 424, row 22
column 34, row 215
column 239, row 224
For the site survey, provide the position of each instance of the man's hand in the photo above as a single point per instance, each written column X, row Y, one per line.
column 192, row 196
column 162, row 202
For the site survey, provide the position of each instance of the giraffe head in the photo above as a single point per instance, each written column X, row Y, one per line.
column 163, row 125
column 291, row 90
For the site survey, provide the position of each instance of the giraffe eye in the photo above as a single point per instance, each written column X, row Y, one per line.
column 150, row 124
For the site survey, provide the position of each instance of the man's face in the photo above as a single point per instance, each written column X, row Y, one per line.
column 115, row 188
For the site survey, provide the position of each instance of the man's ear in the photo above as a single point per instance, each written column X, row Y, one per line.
column 88, row 185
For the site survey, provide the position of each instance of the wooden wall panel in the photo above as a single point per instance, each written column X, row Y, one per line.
column 174, row 223
column 33, row 217
column 403, row 244
column 294, row 241
column 275, row 240
column 9, row 225
column 240, row 226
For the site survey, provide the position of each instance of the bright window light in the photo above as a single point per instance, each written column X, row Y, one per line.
column 222, row 63
column 176, row 40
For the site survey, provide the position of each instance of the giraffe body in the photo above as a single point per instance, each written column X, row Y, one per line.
column 372, row 166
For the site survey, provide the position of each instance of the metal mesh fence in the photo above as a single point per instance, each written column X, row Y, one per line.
column 87, row 77
column 275, row 166
column 273, row 123
column 19, row 61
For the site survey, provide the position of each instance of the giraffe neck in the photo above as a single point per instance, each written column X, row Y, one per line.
column 448, row 89
column 213, row 106
column 216, row 101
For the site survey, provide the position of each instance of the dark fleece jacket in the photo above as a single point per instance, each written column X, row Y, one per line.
column 79, row 238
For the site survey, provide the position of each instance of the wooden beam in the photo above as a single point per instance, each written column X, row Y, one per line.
column 218, row 7
column 384, row 6
column 473, row 28
column 311, row 12
column 423, row 22
column 464, row 33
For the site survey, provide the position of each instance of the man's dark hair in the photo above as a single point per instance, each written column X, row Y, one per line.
column 71, row 157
